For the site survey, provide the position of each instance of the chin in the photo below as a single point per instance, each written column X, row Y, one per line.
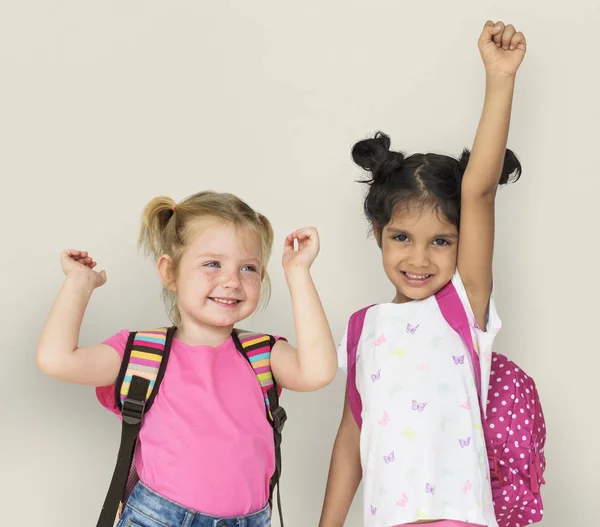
column 417, row 293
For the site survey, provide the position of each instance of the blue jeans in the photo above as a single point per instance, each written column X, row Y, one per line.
column 146, row 508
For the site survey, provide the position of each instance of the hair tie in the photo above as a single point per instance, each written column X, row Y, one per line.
column 173, row 207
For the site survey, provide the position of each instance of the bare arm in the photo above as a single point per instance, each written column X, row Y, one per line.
column 58, row 354
column 480, row 182
column 313, row 363
column 345, row 472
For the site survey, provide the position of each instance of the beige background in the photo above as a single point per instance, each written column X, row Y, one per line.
column 104, row 105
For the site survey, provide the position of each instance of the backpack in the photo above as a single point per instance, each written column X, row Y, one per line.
column 513, row 425
column 142, row 370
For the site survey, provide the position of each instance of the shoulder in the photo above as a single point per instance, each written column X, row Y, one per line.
column 253, row 339
column 493, row 321
column 118, row 341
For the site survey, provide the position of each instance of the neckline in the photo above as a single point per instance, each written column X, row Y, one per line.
column 201, row 347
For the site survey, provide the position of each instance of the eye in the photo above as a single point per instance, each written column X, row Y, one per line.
column 216, row 265
column 440, row 242
column 401, row 238
column 251, row 268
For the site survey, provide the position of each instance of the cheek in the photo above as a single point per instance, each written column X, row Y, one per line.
column 447, row 261
column 202, row 278
column 252, row 284
column 391, row 254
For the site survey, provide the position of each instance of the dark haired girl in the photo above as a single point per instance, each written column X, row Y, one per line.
column 419, row 447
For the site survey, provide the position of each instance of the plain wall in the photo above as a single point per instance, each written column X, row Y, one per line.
column 105, row 105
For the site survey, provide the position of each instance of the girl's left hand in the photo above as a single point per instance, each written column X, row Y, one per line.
column 502, row 48
column 307, row 251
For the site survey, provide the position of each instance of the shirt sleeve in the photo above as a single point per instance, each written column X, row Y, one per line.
column 342, row 352
column 483, row 339
column 106, row 394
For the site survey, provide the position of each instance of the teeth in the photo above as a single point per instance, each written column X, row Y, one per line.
column 417, row 276
column 225, row 301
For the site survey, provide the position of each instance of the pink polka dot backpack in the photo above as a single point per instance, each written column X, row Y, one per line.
column 515, row 431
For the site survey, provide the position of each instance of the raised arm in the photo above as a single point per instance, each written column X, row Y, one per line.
column 502, row 49
column 58, row 353
column 313, row 363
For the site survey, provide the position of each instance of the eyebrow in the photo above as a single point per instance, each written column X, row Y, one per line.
column 394, row 230
column 216, row 256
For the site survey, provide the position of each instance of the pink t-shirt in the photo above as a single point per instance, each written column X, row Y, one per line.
column 206, row 442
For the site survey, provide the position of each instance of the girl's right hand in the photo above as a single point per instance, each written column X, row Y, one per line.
column 79, row 263
column 307, row 251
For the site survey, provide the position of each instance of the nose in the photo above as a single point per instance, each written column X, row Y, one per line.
column 419, row 257
column 231, row 280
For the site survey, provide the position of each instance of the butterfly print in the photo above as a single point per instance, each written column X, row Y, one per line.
column 399, row 353
column 403, row 502
column 466, row 405
column 391, row 458
column 409, row 433
column 418, row 407
column 458, row 360
column 412, row 329
column 436, row 341
column 376, row 376
column 464, row 442
column 424, row 368
column 385, row 419
column 467, row 487
column 373, row 510
column 429, row 489
column 421, row 515
column 380, row 340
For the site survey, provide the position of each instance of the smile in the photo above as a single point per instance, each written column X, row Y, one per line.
column 225, row 301
column 412, row 276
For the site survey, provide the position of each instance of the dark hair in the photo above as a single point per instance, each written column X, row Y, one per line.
column 426, row 179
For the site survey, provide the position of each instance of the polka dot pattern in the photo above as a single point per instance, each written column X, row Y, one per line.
column 515, row 433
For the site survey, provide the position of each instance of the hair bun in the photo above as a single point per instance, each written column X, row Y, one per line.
column 511, row 169
column 375, row 156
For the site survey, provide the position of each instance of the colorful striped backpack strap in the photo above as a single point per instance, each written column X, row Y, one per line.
column 256, row 348
column 145, row 357
column 142, row 370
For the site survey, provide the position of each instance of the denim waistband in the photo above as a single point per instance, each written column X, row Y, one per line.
column 144, row 503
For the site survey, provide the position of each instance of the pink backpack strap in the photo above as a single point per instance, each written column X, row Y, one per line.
column 453, row 311
column 355, row 326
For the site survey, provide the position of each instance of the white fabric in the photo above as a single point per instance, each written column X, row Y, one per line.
column 422, row 447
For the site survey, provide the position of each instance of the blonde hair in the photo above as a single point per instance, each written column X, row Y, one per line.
column 167, row 228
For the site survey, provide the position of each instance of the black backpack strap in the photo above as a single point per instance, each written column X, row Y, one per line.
column 142, row 370
column 256, row 349
column 279, row 417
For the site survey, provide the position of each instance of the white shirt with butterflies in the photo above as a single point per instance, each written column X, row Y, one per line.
column 422, row 447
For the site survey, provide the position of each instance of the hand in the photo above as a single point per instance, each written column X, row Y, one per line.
column 75, row 262
column 502, row 48
column 308, row 248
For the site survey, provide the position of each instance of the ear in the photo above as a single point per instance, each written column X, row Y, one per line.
column 166, row 271
column 377, row 233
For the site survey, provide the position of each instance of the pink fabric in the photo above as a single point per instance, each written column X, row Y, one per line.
column 514, row 428
column 355, row 327
column 205, row 443
column 443, row 523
